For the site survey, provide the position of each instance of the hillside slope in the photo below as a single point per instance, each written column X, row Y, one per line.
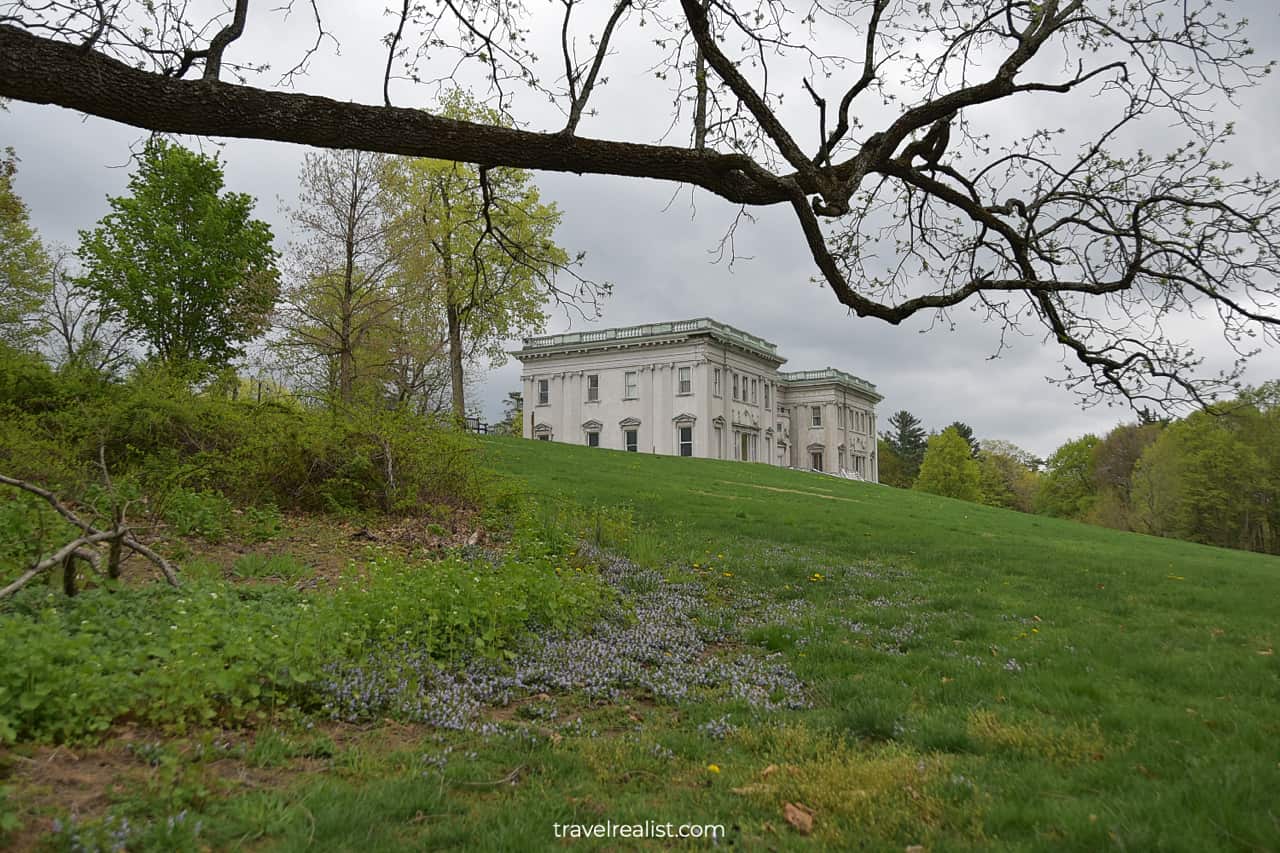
column 1081, row 687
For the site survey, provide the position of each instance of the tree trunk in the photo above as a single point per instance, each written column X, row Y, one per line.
column 69, row 574
column 455, row 363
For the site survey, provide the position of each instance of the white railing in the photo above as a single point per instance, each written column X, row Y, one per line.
column 829, row 374
column 702, row 324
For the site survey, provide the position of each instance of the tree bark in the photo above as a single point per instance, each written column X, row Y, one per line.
column 43, row 71
column 454, row 318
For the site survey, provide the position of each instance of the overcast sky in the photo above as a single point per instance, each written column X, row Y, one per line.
column 655, row 242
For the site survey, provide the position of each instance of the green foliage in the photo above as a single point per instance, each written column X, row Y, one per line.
column 192, row 452
column 892, row 467
column 484, row 271
column 1202, row 481
column 24, row 266
column 908, row 440
column 949, row 468
column 1067, row 487
column 203, row 514
column 216, row 651
column 1006, row 480
column 456, row 608
column 73, row 665
column 29, row 528
column 261, row 523
column 282, row 567
column 966, row 432
column 182, row 262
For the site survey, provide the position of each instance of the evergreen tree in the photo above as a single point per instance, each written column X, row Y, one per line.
column 966, row 432
column 908, row 440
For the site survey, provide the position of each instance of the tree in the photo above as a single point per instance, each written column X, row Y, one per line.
column 907, row 439
column 966, row 432
column 1008, row 475
column 894, row 153
column 79, row 333
column 1201, row 480
column 1114, row 458
column 1067, row 488
column 25, row 269
column 949, row 468
column 181, row 263
column 893, row 470
column 339, row 306
column 477, row 242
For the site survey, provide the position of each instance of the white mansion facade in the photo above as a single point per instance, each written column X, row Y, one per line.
column 696, row 388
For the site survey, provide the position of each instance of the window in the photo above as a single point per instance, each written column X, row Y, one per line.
column 593, row 387
column 630, row 385
column 815, row 417
column 544, row 437
column 815, row 460
column 735, row 386
column 755, row 391
column 544, row 392
column 719, row 443
column 744, row 449
column 766, row 395
column 715, row 388
column 593, row 439
column 684, row 377
column 631, row 440
column 686, row 441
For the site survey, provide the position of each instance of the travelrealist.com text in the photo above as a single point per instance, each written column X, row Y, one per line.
column 647, row 829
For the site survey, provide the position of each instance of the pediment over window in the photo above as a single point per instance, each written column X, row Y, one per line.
column 629, row 423
column 592, row 426
column 684, row 419
column 542, row 429
column 815, row 448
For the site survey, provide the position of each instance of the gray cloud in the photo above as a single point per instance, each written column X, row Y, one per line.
column 645, row 238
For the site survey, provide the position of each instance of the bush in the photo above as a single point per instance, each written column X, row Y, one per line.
column 178, row 442
column 218, row 651
column 203, row 514
column 279, row 566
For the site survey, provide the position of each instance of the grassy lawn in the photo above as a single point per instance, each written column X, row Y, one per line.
column 899, row 668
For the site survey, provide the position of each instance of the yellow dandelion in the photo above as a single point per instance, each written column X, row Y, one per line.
column 714, row 768
column 727, row 574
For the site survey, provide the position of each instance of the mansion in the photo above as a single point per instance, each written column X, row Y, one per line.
column 696, row 388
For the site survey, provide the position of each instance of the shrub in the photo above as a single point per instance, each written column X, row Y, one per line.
column 280, row 566
column 203, row 514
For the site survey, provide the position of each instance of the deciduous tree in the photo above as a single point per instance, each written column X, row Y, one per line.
column 25, row 270
column 949, row 468
column 183, row 264
column 477, row 244
column 1067, row 487
column 339, row 307
column 875, row 123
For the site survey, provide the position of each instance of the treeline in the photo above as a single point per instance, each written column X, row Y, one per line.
column 1211, row 477
column 404, row 276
